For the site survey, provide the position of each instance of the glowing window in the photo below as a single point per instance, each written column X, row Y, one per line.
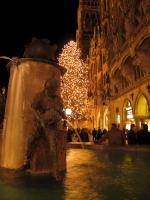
column 142, row 107
column 129, row 111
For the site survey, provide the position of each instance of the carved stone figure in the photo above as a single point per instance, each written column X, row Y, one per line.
column 143, row 54
column 146, row 9
column 48, row 111
column 40, row 48
column 48, row 105
column 128, row 70
column 117, row 79
column 138, row 10
column 130, row 24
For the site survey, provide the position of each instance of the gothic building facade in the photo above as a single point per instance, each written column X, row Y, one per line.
column 88, row 19
column 116, row 45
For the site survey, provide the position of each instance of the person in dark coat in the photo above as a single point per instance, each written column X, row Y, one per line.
column 99, row 134
column 94, row 134
column 132, row 135
column 143, row 136
column 114, row 135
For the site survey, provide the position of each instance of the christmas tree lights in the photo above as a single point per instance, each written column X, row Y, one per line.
column 74, row 84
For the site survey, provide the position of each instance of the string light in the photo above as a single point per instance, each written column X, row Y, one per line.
column 74, row 84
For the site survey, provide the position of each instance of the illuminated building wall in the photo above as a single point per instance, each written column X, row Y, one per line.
column 118, row 60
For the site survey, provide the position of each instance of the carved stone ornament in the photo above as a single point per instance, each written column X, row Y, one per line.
column 41, row 49
column 143, row 54
column 128, row 69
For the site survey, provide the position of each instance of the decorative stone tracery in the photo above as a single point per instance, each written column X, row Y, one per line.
column 143, row 54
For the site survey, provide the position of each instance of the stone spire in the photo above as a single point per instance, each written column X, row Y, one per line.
column 88, row 18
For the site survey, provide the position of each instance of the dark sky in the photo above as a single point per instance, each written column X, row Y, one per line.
column 55, row 20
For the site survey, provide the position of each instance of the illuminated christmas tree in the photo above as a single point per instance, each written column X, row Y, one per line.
column 74, row 85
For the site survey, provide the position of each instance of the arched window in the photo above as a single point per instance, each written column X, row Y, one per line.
column 141, row 109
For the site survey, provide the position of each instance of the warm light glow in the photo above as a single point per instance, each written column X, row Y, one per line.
column 129, row 112
column 68, row 111
column 74, row 85
column 128, row 108
column 128, row 126
column 118, row 119
column 142, row 107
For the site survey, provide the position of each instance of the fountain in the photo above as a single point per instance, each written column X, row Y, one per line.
column 33, row 137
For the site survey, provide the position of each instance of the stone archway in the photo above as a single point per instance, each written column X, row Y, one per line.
column 142, row 110
column 141, row 107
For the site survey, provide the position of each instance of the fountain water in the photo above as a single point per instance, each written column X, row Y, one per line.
column 76, row 132
column 13, row 124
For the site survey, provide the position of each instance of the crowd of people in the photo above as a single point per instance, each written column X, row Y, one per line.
column 78, row 135
column 141, row 136
column 85, row 135
column 114, row 136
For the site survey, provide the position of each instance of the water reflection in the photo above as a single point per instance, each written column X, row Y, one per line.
column 107, row 175
column 91, row 175
column 79, row 177
column 14, row 186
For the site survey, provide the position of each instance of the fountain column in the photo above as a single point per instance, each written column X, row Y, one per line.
column 28, row 77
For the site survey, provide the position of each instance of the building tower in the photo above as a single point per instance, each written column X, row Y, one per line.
column 88, row 21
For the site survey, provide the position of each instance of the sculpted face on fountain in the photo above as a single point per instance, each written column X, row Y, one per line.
column 51, row 87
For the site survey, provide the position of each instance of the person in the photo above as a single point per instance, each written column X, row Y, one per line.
column 104, row 131
column 115, row 136
column 99, row 134
column 84, row 135
column 69, row 135
column 131, row 135
column 94, row 133
column 143, row 135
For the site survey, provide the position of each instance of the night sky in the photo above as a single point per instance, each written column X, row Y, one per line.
column 55, row 20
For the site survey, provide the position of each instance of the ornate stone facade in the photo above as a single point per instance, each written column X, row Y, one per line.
column 88, row 20
column 118, row 59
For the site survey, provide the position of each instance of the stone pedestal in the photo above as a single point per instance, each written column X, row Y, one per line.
column 27, row 80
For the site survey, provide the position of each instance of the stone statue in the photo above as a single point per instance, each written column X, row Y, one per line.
column 130, row 24
column 48, row 112
column 48, row 105
column 40, row 48
column 128, row 70
column 146, row 9
column 143, row 54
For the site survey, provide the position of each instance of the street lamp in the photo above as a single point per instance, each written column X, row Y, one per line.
column 68, row 111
